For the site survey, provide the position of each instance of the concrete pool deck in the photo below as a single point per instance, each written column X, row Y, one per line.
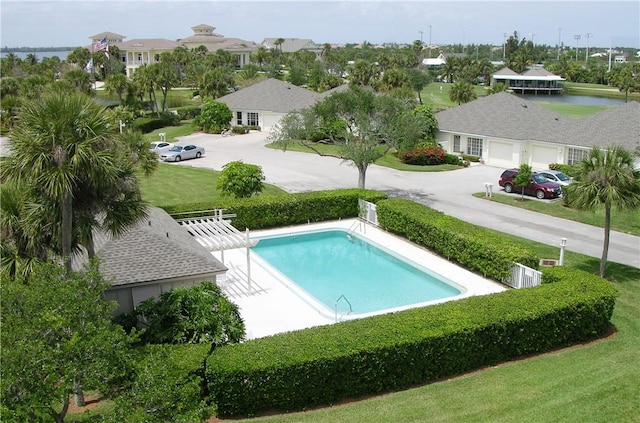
column 275, row 305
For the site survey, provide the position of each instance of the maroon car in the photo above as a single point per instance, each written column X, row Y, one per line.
column 539, row 186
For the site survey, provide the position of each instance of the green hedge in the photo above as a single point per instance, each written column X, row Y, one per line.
column 271, row 211
column 476, row 248
column 323, row 365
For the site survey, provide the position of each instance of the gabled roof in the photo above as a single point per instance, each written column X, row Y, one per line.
column 508, row 116
column 504, row 72
column 108, row 35
column 502, row 115
column 271, row 95
column 618, row 125
column 156, row 249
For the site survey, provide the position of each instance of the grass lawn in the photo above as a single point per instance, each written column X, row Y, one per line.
column 571, row 110
column 186, row 127
column 388, row 160
column 621, row 221
column 175, row 184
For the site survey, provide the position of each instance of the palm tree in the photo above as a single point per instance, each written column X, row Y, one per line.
column 63, row 149
column 606, row 179
column 462, row 92
column 116, row 84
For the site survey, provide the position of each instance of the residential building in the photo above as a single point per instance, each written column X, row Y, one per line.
column 146, row 51
column 533, row 81
column 507, row 131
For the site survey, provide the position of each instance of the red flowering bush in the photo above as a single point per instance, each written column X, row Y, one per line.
column 422, row 156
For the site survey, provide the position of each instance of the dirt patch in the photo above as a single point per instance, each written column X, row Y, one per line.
column 91, row 402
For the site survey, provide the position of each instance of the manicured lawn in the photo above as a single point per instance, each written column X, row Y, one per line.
column 176, row 184
column 388, row 160
column 622, row 221
column 186, row 127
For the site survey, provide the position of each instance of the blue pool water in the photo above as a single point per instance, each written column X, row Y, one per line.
column 329, row 264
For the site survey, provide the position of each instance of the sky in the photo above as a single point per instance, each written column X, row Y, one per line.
column 31, row 23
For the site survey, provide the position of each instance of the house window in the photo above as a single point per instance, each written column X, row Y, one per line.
column 139, row 57
column 252, row 119
column 576, row 155
column 474, row 146
column 456, row 144
column 238, row 118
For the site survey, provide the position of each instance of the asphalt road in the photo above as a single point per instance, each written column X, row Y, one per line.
column 449, row 192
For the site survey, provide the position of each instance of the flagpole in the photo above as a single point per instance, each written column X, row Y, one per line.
column 93, row 70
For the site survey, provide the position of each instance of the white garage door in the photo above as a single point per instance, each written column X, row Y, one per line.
column 501, row 154
column 542, row 156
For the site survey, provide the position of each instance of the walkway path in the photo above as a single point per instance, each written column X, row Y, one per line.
column 449, row 192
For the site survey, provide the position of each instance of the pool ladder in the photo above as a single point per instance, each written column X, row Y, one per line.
column 342, row 297
column 357, row 225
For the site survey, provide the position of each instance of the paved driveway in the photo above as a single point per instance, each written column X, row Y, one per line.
column 449, row 192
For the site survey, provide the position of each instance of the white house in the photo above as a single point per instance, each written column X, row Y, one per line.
column 506, row 131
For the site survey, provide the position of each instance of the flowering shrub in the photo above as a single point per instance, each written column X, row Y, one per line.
column 424, row 156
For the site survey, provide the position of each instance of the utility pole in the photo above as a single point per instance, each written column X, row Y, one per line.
column 504, row 46
column 586, row 57
column 420, row 36
column 577, row 37
column 429, row 41
column 559, row 42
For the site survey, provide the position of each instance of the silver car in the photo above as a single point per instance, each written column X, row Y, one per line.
column 182, row 152
column 556, row 176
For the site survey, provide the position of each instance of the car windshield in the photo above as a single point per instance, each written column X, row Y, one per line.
column 540, row 179
column 562, row 176
column 176, row 148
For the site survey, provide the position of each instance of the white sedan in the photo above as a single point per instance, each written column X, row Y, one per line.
column 160, row 147
column 182, row 152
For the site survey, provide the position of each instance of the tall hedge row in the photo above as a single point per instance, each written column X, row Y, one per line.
column 474, row 247
column 262, row 212
column 325, row 364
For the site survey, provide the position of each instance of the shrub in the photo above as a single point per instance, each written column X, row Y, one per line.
column 476, row 248
column 272, row 211
column 424, row 156
column 213, row 117
column 240, row 180
column 148, row 124
column 191, row 315
column 188, row 112
column 166, row 386
column 469, row 158
column 240, row 129
column 323, row 365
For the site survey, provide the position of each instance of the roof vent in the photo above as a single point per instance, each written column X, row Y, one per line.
column 524, row 105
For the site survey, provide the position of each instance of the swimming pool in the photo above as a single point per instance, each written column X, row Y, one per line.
column 353, row 277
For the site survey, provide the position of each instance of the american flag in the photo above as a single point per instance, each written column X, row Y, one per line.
column 101, row 45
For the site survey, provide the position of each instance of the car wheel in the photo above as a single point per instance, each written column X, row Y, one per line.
column 198, row 155
column 508, row 188
column 540, row 194
column 177, row 159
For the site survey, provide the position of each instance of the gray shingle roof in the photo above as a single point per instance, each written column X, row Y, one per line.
column 507, row 116
column 502, row 115
column 617, row 125
column 271, row 95
column 156, row 249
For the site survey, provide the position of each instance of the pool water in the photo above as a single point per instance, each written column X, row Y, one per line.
column 330, row 264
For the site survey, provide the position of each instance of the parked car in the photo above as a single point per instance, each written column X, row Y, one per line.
column 539, row 186
column 182, row 152
column 556, row 176
column 160, row 147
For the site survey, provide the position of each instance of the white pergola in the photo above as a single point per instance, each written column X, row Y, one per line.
column 216, row 233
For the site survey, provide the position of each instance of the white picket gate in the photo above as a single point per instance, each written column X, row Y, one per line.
column 523, row 277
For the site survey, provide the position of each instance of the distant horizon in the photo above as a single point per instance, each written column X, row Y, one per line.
column 567, row 22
